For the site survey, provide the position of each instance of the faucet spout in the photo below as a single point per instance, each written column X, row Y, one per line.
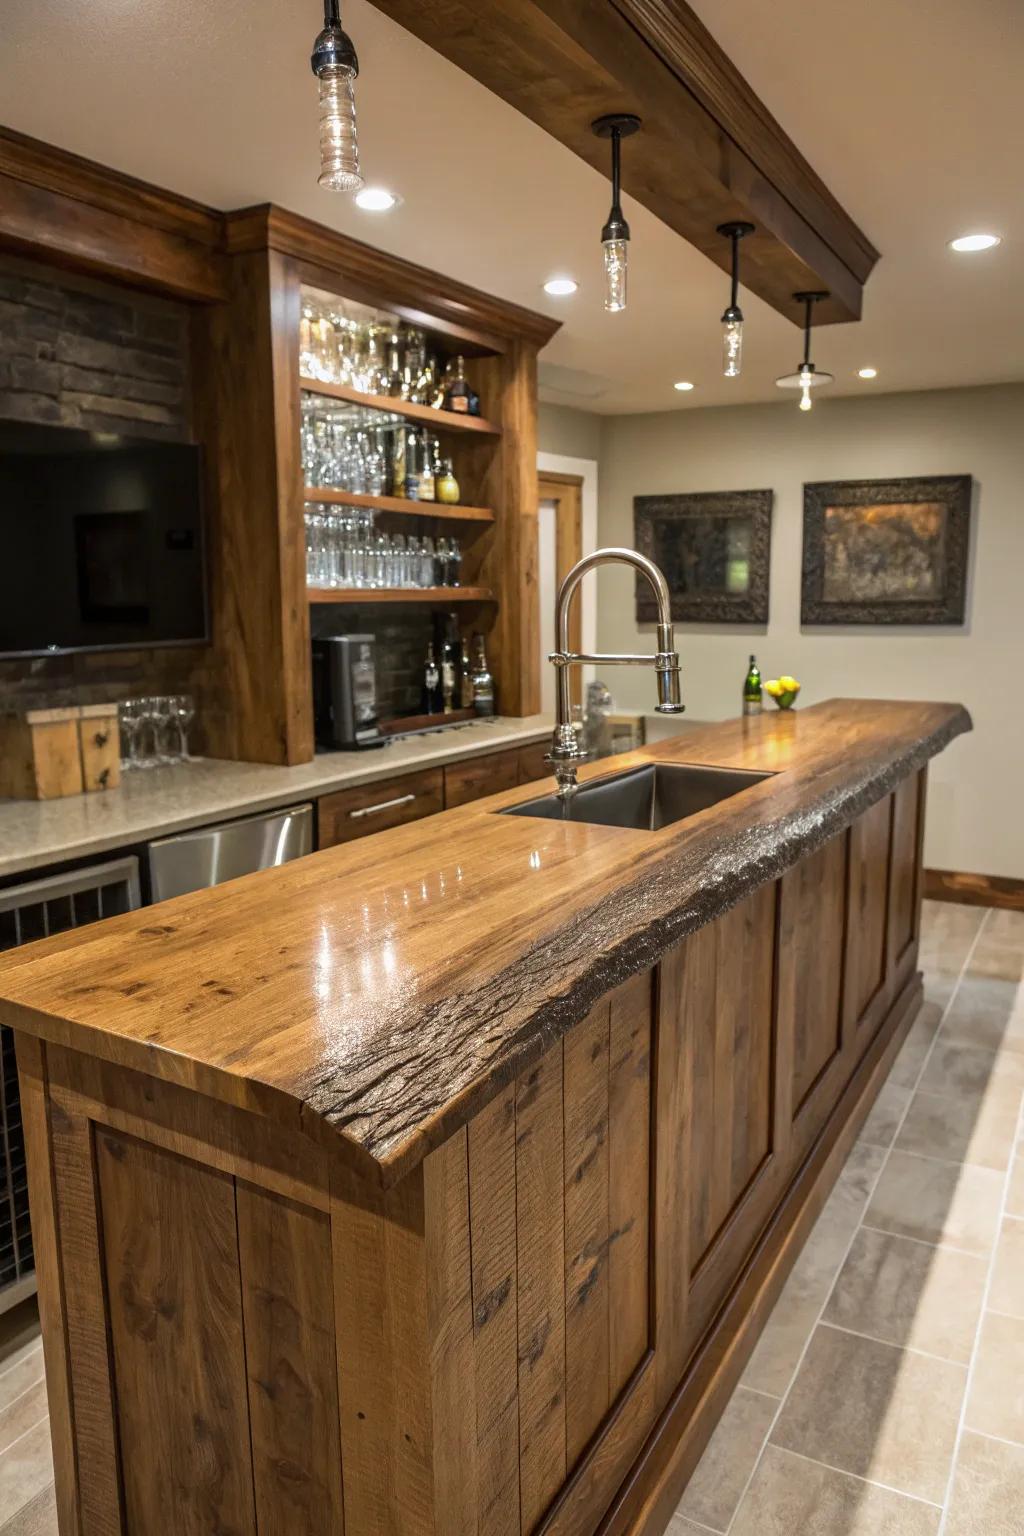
column 566, row 751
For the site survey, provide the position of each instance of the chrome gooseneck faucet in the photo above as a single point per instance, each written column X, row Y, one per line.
column 566, row 751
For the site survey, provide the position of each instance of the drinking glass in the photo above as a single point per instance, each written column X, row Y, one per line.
column 129, row 720
column 183, row 712
column 160, row 711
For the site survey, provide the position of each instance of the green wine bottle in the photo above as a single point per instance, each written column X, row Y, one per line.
column 752, row 689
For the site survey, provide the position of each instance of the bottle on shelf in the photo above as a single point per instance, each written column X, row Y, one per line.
column 457, row 393
column 395, row 371
column 449, row 663
column 412, row 466
column 483, row 682
column 465, row 676
column 752, row 689
column 398, row 462
column 426, row 466
column 430, row 700
column 446, row 485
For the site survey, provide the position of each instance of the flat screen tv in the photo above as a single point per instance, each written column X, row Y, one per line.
column 101, row 542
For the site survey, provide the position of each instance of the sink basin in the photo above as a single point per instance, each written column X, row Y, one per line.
column 646, row 798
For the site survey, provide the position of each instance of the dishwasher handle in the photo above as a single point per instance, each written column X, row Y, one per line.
column 385, row 805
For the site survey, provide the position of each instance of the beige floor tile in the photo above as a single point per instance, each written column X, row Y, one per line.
column 996, row 1404
column 26, row 1370
column 968, row 1071
column 22, row 1414
column 677, row 1526
column 964, row 1130
column 947, row 932
column 38, row 1518
column 904, row 1292
column 999, row 951
column 793, row 1497
column 26, row 1469
column 937, row 1202
column 777, row 1354
column 716, row 1487
column 1007, row 1293
column 907, row 1066
column 876, row 1411
column 1015, row 1189
column 882, row 1123
column 988, row 1489
column 988, row 1012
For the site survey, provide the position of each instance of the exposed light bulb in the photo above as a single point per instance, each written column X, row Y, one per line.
column 339, row 144
column 732, row 347
column 806, row 376
column 616, row 258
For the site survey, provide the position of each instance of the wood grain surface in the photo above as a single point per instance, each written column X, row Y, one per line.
column 380, row 994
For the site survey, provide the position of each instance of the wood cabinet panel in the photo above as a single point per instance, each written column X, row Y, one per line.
column 903, row 884
column 353, row 813
column 812, row 921
column 533, row 762
column 868, row 912
column 174, row 1296
column 488, row 774
column 629, row 1164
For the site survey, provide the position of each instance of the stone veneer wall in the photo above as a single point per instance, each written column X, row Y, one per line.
column 79, row 353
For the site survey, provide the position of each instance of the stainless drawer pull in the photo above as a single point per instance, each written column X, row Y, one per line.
column 385, row 805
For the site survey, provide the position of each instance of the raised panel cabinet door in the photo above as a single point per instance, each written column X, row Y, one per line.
column 480, row 776
column 353, row 813
column 867, row 922
column 904, row 879
column 533, row 762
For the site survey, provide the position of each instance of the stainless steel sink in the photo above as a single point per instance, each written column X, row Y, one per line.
column 646, row 798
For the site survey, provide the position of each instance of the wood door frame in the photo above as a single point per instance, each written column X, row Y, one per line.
column 566, row 491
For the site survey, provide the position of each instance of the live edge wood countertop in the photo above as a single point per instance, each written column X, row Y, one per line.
column 379, row 993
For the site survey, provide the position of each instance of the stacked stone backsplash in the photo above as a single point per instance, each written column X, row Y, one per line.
column 78, row 353
column 402, row 637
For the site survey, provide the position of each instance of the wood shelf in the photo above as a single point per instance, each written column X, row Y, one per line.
column 457, row 513
column 441, row 421
column 348, row 595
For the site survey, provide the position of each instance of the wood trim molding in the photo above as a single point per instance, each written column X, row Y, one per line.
column 429, row 295
column 974, row 890
column 709, row 151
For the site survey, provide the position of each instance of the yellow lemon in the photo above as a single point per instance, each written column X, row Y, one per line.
column 789, row 684
column 774, row 687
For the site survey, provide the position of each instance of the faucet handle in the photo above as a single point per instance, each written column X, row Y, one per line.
column 666, row 663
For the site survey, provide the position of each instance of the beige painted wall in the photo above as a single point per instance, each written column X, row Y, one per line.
column 975, row 819
column 575, row 434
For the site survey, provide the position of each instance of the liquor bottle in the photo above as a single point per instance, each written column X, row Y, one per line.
column 426, row 461
column 395, row 372
column 412, row 466
column 483, row 682
column 465, row 676
column 456, row 394
column 398, row 462
column 431, row 683
column 449, row 663
column 752, row 689
column 446, row 485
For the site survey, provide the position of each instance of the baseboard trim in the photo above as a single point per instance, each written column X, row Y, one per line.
column 647, row 1499
column 974, row 890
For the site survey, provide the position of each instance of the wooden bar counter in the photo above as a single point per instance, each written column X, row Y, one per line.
column 441, row 1182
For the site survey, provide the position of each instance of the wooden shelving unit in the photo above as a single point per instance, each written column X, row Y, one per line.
column 456, row 513
column 441, row 421
column 400, row 595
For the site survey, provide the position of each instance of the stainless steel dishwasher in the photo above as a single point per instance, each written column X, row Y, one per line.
column 191, row 861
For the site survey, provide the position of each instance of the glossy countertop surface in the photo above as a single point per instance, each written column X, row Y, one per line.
column 159, row 801
column 379, row 993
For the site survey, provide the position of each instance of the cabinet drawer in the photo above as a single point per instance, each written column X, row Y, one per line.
column 480, row 776
column 353, row 813
column 533, row 762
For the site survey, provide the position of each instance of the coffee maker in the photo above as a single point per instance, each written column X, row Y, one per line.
column 345, row 692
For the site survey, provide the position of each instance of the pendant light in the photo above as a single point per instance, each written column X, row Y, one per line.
column 732, row 320
column 615, row 235
column 807, row 377
column 336, row 66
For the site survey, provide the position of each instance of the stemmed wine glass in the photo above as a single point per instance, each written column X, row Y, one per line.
column 130, row 719
column 183, row 711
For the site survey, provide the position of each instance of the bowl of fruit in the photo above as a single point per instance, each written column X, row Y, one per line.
column 783, row 690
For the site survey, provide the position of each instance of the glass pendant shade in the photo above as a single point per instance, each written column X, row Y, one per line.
column 339, row 142
column 807, row 377
column 732, row 347
column 616, row 266
column 806, row 380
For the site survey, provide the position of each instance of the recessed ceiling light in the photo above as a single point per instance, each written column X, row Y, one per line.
column 867, row 373
column 684, row 385
column 974, row 242
column 560, row 287
column 377, row 199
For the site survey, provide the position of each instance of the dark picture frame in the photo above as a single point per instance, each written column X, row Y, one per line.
column 691, row 533
column 886, row 552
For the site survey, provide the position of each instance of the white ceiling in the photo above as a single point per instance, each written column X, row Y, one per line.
column 911, row 111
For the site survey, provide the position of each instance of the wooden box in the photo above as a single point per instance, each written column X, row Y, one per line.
column 48, row 753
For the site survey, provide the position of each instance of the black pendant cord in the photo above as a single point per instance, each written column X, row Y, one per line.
column 808, row 300
column 332, row 13
column 616, row 126
column 735, row 232
column 735, row 270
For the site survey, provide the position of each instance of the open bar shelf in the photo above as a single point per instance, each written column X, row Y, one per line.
column 457, row 513
column 400, row 595
column 441, row 421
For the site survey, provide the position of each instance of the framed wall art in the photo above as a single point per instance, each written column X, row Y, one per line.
column 714, row 548
column 886, row 551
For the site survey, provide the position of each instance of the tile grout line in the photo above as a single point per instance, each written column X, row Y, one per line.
column 36, row 1348
column 962, row 1419
column 25, row 1432
column 907, row 1349
column 856, row 1476
column 922, row 1242
column 867, row 1204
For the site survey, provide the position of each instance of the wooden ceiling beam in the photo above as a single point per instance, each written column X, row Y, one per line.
column 709, row 152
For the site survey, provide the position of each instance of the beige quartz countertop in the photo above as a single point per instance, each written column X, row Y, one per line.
column 159, row 801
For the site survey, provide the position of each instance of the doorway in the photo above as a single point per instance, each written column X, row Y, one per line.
column 560, row 541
